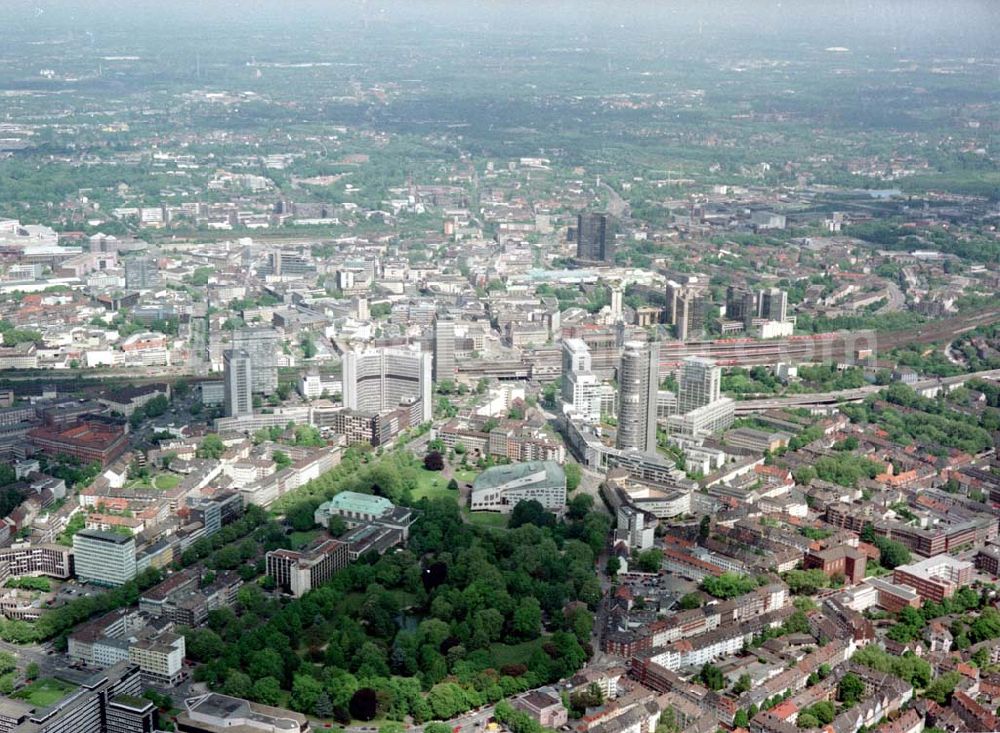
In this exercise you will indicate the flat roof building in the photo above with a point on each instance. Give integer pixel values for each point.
(298, 572)
(935, 578)
(215, 713)
(501, 488)
(104, 557)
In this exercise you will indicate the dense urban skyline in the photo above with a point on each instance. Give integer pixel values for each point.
(574, 366)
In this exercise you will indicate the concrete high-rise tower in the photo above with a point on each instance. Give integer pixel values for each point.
(617, 310)
(638, 379)
(262, 346)
(237, 382)
(699, 383)
(382, 379)
(445, 368)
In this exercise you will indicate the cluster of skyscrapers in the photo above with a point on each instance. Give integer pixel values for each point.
(695, 411)
(743, 304)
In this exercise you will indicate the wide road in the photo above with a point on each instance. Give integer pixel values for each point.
(747, 407)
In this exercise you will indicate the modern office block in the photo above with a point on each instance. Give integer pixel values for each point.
(298, 572)
(262, 346)
(382, 379)
(104, 558)
(638, 380)
(772, 304)
(595, 237)
(699, 383)
(130, 714)
(141, 273)
(238, 370)
(87, 709)
(445, 368)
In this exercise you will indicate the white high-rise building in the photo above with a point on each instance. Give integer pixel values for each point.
(638, 380)
(380, 379)
(699, 383)
(617, 310)
(585, 392)
(575, 356)
(444, 351)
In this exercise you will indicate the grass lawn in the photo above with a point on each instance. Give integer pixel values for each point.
(486, 519)
(433, 485)
(301, 539)
(465, 475)
(45, 692)
(166, 481)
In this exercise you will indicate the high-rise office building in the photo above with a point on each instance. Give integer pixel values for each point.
(141, 273)
(444, 351)
(670, 312)
(699, 383)
(575, 356)
(690, 315)
(595, 237)
(741, 305)
(638, 380)
(584, 392)
(237, 380)
(581, 389)
(617, 311)
(262, 346)
(289, 264)
(104, 558)
(382, 379)
(773, 304)
(686, 309)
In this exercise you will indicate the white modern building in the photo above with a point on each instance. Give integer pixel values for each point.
(699, 383)
(703, 421)
(380, 379)
(501, 488)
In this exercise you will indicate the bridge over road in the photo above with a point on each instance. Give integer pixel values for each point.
(821, 399)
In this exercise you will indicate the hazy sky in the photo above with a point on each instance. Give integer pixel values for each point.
(929, 24)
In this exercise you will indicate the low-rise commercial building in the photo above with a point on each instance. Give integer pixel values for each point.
(214, 713)
(501, 488)
(935, 578)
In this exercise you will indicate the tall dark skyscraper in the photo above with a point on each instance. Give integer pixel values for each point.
(595, 237)
(773, 304)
